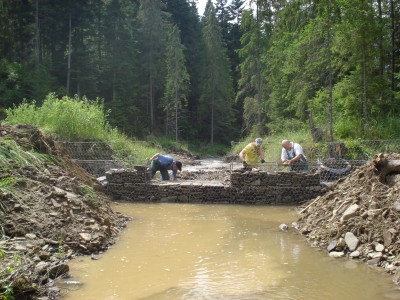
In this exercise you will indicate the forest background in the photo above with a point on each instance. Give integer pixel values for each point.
(329, 67)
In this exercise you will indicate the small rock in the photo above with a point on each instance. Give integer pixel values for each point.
(295, 225)
(375, 255)
(85, 236)
(387, 238)
(355, 254)
(351, 241)
(350, 212)
(30, 236)
(396, 205)
(379, 247)
(336, 254)
(41, 267)
(283, 227)
(331, 246)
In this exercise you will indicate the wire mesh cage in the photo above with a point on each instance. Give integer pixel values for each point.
(331, 160)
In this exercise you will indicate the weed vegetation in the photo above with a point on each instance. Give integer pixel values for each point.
(75, 119)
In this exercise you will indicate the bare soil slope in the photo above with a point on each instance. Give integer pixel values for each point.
(55, 212)
(360, 216)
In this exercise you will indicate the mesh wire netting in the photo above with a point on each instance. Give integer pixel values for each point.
(99, 157)
(331, 160)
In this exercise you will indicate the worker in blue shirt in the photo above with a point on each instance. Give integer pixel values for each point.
(163, 163)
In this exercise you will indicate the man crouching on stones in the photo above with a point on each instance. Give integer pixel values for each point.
(163, 163)
(252, 154)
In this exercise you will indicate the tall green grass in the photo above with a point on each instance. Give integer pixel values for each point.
(74, 119)
(12, 155)
(383, 128)
(130, 150)
(272, 143)
(68, 118)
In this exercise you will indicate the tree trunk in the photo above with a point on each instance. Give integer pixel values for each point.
(212, 118)
(69, 52)
(151, 94)
(381, 51)
(364, 85)
(393, 54)
(258, 73)
(37, 42)
(330, 74)
(176, 115)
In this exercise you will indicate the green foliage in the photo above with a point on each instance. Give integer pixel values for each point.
(210, 150)
(12, 155)
(90, 194)
(376, 129)
(216, 111)
(68, 118)
(131, 151)
(6, 187)
(10, 270)
(272, 143)
(177, 81)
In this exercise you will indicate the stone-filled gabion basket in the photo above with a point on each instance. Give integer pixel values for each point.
(245, 187)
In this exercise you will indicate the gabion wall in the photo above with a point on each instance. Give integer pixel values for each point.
(255, 187)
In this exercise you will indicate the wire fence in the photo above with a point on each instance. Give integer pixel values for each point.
(330, 160)
(99, 157)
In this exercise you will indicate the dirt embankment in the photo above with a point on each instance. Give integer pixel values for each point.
(53, 213)
(359, 217)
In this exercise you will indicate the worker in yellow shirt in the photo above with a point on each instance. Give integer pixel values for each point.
(252, 154)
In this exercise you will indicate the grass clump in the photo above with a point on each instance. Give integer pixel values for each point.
(11, 154)
(90, 194)
(14, 285)
(74, 119)
(68, 118)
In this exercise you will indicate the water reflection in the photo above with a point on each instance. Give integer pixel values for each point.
(182, 251)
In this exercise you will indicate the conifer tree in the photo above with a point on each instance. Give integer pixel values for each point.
(177, 80)
(217, 89)
(152, 20)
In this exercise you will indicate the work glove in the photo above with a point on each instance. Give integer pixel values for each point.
(262, 161)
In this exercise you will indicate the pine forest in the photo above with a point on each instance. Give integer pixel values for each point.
(239, 68)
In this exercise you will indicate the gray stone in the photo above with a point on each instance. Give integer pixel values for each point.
(379, 247)
(30, 236)
(20, 247)
(375, 255)
(283, 227)
(85, 236)
(331, 246)
(336, 254)
(55, 203)
(59, 192)
(374, 212)
(350, 212)
(41, 267)
(351, 241)
(387, 238)
(58, 270)
(396, 205)
(355, 254)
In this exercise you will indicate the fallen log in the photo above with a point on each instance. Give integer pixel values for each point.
(384, 166)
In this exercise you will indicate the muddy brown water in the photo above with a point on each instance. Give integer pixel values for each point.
(189, 251)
